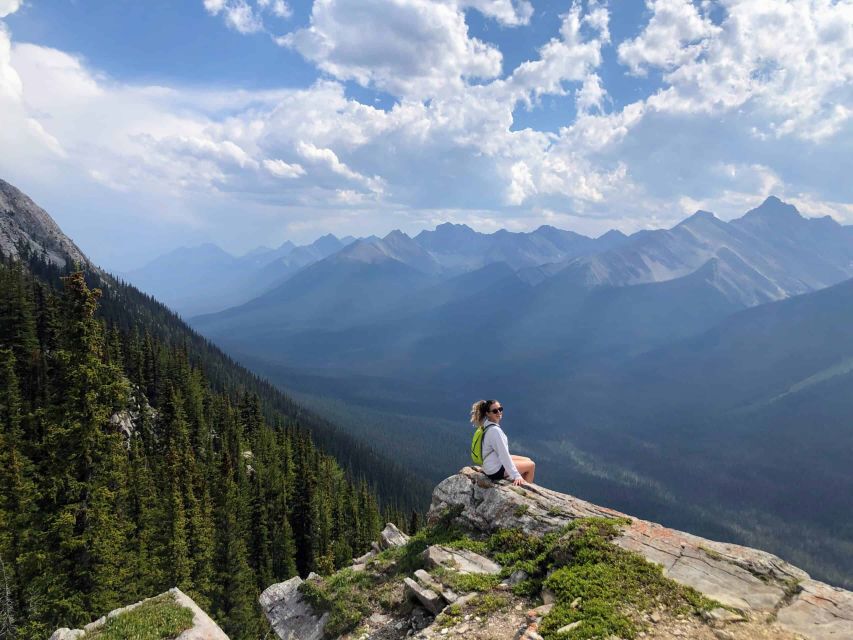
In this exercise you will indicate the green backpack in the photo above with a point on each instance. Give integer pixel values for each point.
(477, 445)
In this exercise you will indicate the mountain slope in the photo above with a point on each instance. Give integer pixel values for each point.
(791, 253)
(24, 223)
(129, 310)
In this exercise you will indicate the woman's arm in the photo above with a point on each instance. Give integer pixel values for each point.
(500, 446)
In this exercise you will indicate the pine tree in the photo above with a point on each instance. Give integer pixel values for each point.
(17, 490)
(82, 518)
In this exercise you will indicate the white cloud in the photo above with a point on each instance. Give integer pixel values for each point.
(330, 160)
(10, 82)
(742, 111)
(568, 58)
(591, 95)
(507, 12)
(8, 7)
(676, 34)
(278, 8)
(238, 14)
(282, 169)
(789, 64)
(411, 48)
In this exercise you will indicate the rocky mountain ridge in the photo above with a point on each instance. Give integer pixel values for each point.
(748, 594)
(24, 224)
(414, 587)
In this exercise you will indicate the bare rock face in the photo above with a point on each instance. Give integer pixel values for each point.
(23, 222)
(291, 616)
(461, 560)
(741, 577)
(204, 628)
(391, 536)
(431, 600)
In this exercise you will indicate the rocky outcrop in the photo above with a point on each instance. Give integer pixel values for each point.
(391, 536)
(755, 582)
(203, 627)
(291, 616)
(460, 560)
(24, 223)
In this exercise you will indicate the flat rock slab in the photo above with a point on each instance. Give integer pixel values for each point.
(391, 536)
(819, 611)
(460, 560)
(204, 628)
(431, 601)
(291, 616)
(737, 576)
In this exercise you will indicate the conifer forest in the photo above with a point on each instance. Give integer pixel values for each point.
(135, 457)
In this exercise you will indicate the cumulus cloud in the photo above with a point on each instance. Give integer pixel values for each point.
(507, 12)
(795, 86)
(411, 48)
(282, 169)
(8, 7)
(676, 33)
(447, 147)
(244, 17)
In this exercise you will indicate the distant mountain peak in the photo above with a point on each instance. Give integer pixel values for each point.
(613, 234)
(446, 226)
(23, 222)
(700, 217)
(396, 234)
(773, 208)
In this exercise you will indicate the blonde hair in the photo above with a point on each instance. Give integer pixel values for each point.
(479, 410)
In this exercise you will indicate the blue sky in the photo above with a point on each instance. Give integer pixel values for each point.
(143, 126)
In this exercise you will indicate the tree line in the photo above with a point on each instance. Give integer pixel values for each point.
(131, 461)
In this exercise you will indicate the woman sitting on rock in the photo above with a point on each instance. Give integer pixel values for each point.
(497, 461)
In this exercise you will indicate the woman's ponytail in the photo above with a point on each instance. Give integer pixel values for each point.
(479, 410)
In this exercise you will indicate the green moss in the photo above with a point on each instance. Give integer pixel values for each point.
(346, 595)
(390, 595)
(450, 616)
(580, 560)
(158, 619)
(555, 511)
(487, 603)
(469, 544)
(711, 553)
(521, 509)
(465, 582)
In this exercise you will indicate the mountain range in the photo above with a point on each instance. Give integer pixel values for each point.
(698, 375)
(681, 372)
(378, 305)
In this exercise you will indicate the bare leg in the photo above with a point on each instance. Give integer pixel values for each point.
(526, 467)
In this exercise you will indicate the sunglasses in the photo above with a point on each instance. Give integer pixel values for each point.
(498, 410)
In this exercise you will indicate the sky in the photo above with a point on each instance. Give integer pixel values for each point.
(146, 126)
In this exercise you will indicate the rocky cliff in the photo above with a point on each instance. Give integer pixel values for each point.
(24, 224)
(150, 618)
(499, 561)
(525, 563)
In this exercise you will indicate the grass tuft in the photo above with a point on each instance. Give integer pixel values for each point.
(160, 618)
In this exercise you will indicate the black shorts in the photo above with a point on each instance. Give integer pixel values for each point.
(500, 474)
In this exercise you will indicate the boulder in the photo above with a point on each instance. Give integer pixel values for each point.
(431, 601)
(290, 614)
(430, 583)
(204, 628)
(460, 560)
(737, 576)
(67, 634)
(391, 536)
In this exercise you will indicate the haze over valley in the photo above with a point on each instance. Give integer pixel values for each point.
(670, 371)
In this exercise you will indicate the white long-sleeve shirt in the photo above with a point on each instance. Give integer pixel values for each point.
(496, 451)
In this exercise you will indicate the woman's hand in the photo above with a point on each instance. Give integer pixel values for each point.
(519, 481)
